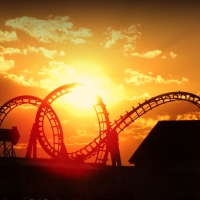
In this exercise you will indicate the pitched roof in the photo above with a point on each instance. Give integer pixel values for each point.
(170, 140)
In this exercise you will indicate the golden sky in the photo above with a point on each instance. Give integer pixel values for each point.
(128, 51)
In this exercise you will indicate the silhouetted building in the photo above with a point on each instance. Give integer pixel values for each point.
(167, 163)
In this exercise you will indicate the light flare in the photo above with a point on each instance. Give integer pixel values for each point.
(82, 98)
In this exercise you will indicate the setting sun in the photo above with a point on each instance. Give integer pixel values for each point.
(83, 96)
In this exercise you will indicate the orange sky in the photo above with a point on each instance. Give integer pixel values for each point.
(128, 51)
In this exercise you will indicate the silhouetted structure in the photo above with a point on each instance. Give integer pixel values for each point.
(8, 138)
(57, 149)
(105, 144)
(166, 166)
(167, 163)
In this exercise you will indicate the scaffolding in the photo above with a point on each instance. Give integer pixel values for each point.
(8, 138)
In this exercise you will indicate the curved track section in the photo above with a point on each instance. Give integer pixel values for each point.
(58, 149)
(17, 101)
(98, 145)
(125, 120)
(26, 99)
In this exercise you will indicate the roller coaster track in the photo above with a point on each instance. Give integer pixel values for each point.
(7, 107)
(15, 102)
(90, 150)
(125, 120)
(99, 146)
(130, 116)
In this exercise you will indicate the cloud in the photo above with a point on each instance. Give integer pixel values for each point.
(173, 55)
(127, 39)
(78, 41)
(123, 96)
(21, 145)
(5, 65)
(9, 50)
(26, 106)
(128, 36)
(85, 133)
(108, 89)
(62, 53)
(143, 96)
(128, 48)
(8, 36)
(141, 127)
(141, 79)
(58, 29)
(58, 73)
(114, 37)
(41, 50)
(20, 79)
(149, 54)
(190, 116)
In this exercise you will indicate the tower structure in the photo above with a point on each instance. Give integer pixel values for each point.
(8, 138)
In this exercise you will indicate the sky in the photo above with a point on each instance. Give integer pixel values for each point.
(127, 51)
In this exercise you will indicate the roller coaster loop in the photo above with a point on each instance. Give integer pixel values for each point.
(56, 151)
(102, 145)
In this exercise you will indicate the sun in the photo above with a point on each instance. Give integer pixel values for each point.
(82, 98)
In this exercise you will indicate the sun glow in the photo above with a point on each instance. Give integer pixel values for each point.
(83, 97)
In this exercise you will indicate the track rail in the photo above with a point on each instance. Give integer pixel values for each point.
(15, 102)
(99, 146)
(130, 116)
(94, 148)
(7, 107)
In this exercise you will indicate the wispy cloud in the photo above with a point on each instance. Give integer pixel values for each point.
(126, 41)
(143, 96)
(21, 145)
(127, 36)
(30, 49)
(189, 116)
(41, 50)
(6, 65)
(58, 73)
(171, 55)
(9, 50)
(21, 80)
(58, 29)
(138, 78)
(141, 127)
(8, 36)
(26, 106)
(149, 54)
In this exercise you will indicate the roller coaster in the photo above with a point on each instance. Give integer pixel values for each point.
(107, 140)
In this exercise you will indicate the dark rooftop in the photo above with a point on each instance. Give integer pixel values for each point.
(170, 140)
